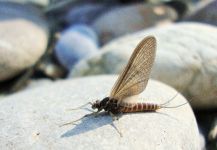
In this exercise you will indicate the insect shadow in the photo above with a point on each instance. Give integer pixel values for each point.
(89, 123)
(92, 122)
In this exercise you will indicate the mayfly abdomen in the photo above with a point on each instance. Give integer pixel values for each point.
(139, 107)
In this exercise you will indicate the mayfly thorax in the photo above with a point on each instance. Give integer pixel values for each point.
(132, 81)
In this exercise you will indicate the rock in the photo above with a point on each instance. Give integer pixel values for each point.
(35, 83)
(202, 142)
(205, 12)
(205, 120)
(76, 43)
(129, 19)
(85, 13)
(181, 7)
(49, 68)
(31, 119)
(213, 135)
(1, 96)
(23, 40)
(38, 2)
(185, 60)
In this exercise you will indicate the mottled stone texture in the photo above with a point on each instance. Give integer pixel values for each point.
(31, 119)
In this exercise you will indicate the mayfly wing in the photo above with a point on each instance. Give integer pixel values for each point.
(134, 77)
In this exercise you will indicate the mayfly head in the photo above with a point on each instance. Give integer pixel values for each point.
(96, 104)
(100, 104)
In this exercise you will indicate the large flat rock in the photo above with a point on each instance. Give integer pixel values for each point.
(31, 119)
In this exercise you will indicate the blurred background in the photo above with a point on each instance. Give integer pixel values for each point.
(46, 40)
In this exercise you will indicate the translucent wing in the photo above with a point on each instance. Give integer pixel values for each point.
(134, 77)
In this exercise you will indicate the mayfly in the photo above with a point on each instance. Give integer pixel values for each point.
(132, 81)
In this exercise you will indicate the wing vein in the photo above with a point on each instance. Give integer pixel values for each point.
(134, 77)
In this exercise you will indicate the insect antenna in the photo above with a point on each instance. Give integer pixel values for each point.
(80, 107)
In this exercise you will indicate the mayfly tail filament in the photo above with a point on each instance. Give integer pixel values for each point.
(164, 105)
(173, 106)
(167, 102)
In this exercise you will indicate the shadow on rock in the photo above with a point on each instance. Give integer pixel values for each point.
(88, 124)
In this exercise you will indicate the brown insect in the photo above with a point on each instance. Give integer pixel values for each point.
(132, 81)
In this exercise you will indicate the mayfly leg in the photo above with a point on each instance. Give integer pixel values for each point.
(114, 118)
(74, 121)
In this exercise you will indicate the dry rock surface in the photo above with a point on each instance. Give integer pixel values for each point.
(31, 119)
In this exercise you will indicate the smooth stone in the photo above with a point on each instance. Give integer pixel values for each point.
(35, 83)
(213, 135)
(85, 13)
(24, 37)
(185, 60)
(205, 12)
(2, 96)
(128, 19)
(75, 43)
(37, 2)
(50, 68)
(31, 119)
(181, 7)
(202, 142)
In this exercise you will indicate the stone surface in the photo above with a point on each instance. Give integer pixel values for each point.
(204, 12)
(50, 69)
(35, 83)
(75, 43)
(128, 19)
(85, 13)
(1, 96)
(185, 59)
(38, 2)
(31, 119)
(213, 135)
(23, 38)
(202, 142)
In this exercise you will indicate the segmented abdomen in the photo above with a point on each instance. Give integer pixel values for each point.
(139, 107)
